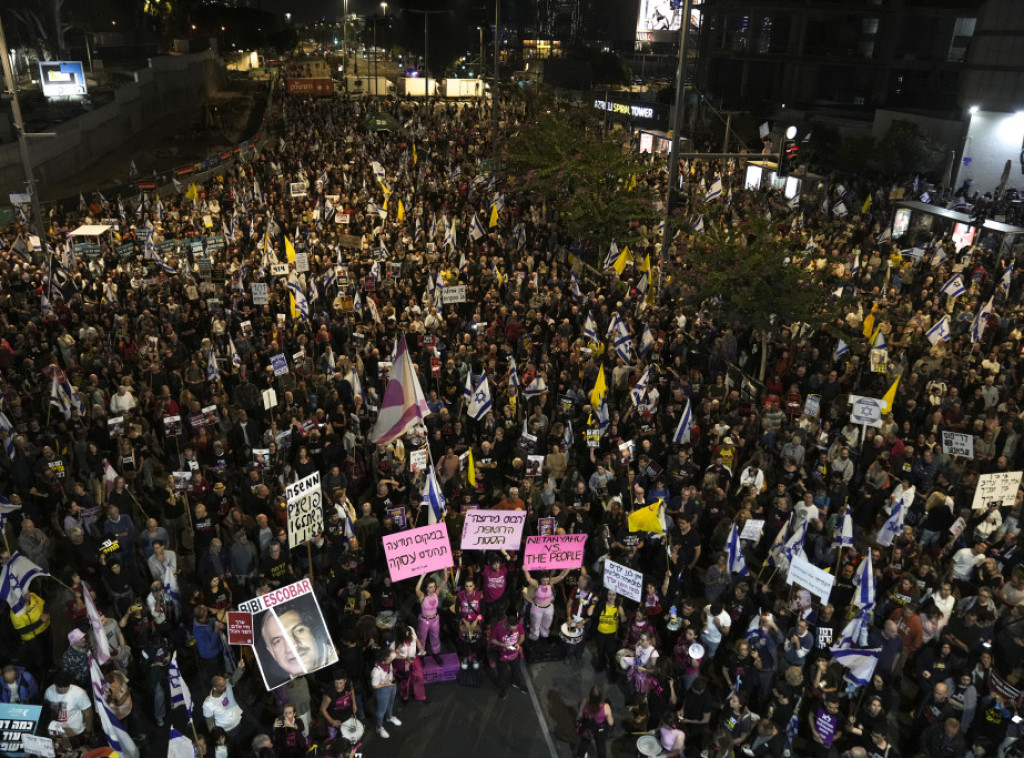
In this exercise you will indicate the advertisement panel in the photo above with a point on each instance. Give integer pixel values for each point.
(320, 87)
(62, 78)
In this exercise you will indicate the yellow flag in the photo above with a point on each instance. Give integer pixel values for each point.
(867, 204)
(494, 216)
(471, 470)
(869, 325)
(620, 263)
(385, 206)
(383, 186)
(289, 253)
(600, 388)
(646, 519)
(890, 396)
(414, 158)
(401, 211)
(291, 301)
(645, 264)
(193, 193)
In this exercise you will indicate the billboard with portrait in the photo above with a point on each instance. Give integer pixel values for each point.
(290, 637)
(660, 20)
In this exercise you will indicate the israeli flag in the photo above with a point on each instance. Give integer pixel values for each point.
(613, 254)
(179, 688)
(981, 321)
(646, 341)
(715, 190)
(476, 229)
(590, 330)
(574, 285)
(180, 746)
(568, 438)
(15, 578)
(885, 236)
(894, 524)
(467, 389)
(925, 197)
(640, 388)
(45, 307)
(236, 359)
(535, 388)
(737, 563)
(844, 534)
(865, 584)
(7, 433)
(954, 287)
(879, 343)
(841, 349)
(212, 370)
(682, 433)
(840, 209)
(699, 226)
(940, 332)
(480, 402)
(860, 662)
(513, 375)
(939, 257)
(432, 498)
(1007, 279)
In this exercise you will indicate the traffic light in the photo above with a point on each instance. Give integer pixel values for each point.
(787, 160)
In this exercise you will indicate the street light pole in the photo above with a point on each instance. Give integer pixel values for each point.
(426, 44)
(26, 158)
(494, 88)
(678, 119)
(344, 34)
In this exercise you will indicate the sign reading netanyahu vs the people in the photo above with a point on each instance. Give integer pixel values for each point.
(555, 551)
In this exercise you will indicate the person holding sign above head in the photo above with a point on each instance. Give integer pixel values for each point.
(429, 621)
(542, 602)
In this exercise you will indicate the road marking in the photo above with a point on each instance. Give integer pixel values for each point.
(545, 729)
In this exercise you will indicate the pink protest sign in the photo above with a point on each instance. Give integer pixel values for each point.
(414, 552)
(493, 530)
(554, 551)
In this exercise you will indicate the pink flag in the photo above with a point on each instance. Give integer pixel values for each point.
(99, 637)
(403, 404)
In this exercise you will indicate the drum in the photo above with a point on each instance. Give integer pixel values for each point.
(352, 730)
(571, 636)
(625, 658)
(648, 745)
(387, 620)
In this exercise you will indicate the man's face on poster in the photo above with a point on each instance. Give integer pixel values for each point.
(303, 655)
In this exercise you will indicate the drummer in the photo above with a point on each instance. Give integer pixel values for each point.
(469, 607)
(339, 705)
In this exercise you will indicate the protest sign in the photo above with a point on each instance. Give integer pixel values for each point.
(1000, 487)
(624, 580)
(240, 628)
(297, 189)
(302, 262)
(958, 443)
(958, 527)
(810, 577)
(34, 744)
(418, 460)
(290, 637)
(417, 551)
(17, 720)
(398, 516)
(259, 293)
(752, 529)
(556, 551)
(305, 509)
(456, 294)
(546, 526)
(280, 364)
(493, 530)
(866, 411)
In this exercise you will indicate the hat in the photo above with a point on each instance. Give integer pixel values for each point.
(75, 635)
(219, 487)
(696, 651)
(728, 441)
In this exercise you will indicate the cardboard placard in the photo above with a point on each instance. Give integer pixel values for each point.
(240, 630)
(813, 579)
(18, 721)
(304, 499)
(493, 530)
(418, 460)
(418, 551)
(398, 516)
(752, 529)
(958, 443)
(1000, 487)
(866, 411)
(555, 551)
(280, 364)
(260, 296)
(290, 637)
(456, 294)
(623, 580)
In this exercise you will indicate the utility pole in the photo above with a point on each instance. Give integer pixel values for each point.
(426, 40)
(26, 158)
(494, 88)
(678, 119)
(344, 34)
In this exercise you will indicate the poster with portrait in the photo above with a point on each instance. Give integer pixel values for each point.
(290, 637)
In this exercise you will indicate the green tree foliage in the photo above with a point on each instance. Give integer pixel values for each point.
(590, 177)
(744, 272)
(906, 150)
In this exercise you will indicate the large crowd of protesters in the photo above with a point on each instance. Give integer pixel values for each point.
(108, 390)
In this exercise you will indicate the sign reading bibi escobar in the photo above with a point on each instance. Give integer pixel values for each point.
(415, 552)
(305, 509)
(290, 637)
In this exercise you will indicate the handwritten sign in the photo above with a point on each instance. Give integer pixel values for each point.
(958, 443)
(240, 628)
(555, 551)
(418, 460)
(810, 577)
(493, 530)
(624, 580)
(456, 294)
(1000, 487)
(259, 293)
(38, 745)
(752, 529)
(305, 509)
(417, 551)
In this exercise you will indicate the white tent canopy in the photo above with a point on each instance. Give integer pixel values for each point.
(91, 230)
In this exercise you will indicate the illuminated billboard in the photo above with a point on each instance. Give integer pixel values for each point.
(660, 20)
(62, 78)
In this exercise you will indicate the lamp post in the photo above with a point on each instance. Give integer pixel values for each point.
(480, 66)
(344, 35)
(426, 42)
(494, 88)
(678, 119)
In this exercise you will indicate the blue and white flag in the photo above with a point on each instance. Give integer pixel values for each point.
(646, 340)
(476, 229)
(844, 534)
(432, 498)
(715, 191)
(841, 349)
(940, 332)
(57, 398)
(954, 287)
(1007, 279)
(981, 321)
(613, 254)
(71, 395)
(682, 433)
(699, 226)
(737, 563)
(860, 662)
(590, 330)
(236, 359)
(6, 509)
(885, 236)
(180, 746)
(855, 633)
(45, 307)
(7, 433)
(864, 581)
(568, 438)
(180, 694)
(794, 545)
(513, 375)
(879, 343)
(621, 341)
(925, 197)
(574, 286)
(840, 209)
(894, 524)
(212, 369)
(467, 388)
(640, 388)
(535, 388)
(117, 737)
(18, 573)
(939, 257)
(480, 401)
(301, 305)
